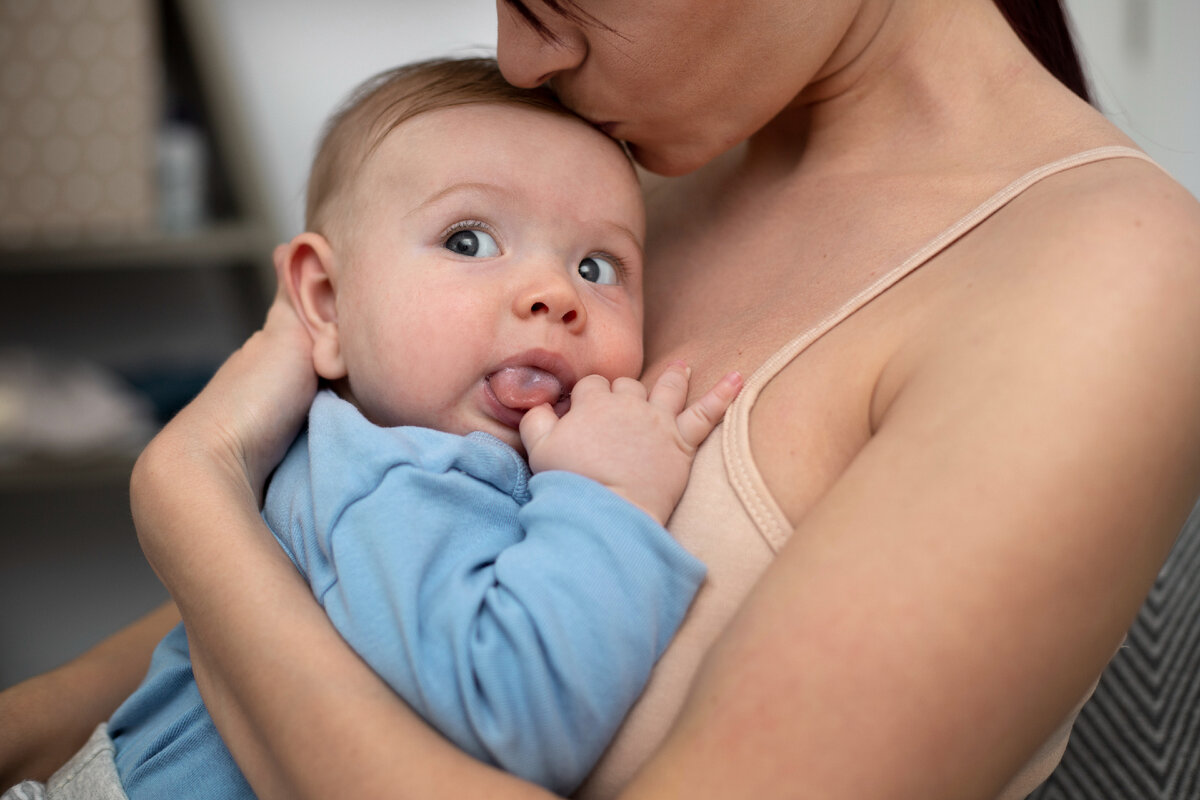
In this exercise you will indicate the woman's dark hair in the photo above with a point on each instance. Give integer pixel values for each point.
(1042, 25)
(1044, 28)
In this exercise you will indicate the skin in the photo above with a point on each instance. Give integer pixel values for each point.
(985, 467)
(413, 331)
(539, 194)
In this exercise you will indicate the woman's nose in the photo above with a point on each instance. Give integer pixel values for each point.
(531, 50)
(551, 296)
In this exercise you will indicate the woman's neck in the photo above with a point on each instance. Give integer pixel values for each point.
(910, 74)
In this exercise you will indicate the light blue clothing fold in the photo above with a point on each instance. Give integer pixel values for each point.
(519, 615)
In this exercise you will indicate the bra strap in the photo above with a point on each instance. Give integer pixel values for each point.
(743, 474)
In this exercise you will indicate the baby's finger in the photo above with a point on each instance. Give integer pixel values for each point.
(698, 419)
(670, 390)
(630, 386)
(590, 383)
(536, 425)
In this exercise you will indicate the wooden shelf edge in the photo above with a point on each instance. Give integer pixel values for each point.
(218, 244)
(107, 469)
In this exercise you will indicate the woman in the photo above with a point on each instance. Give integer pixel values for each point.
(967, 444)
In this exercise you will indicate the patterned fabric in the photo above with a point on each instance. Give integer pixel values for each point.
(80, 104)
(1138, 738)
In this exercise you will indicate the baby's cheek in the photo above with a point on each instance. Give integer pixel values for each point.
(622, 354)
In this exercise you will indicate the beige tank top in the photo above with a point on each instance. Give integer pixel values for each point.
(729, 519)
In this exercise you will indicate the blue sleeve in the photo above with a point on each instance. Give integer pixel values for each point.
(523, 632)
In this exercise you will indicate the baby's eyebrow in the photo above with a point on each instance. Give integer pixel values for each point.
(465, 187)
(625, 231)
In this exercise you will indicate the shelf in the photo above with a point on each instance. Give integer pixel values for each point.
(215, 245)
(100, 469)
(143, 300)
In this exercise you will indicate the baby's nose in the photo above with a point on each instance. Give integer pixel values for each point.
(552, 296)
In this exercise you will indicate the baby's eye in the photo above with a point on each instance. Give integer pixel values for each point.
(598, 270)
(472, 243)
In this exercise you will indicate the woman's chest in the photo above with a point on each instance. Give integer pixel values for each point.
(793, 302)
(807, 417)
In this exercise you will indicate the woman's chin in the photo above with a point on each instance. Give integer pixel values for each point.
(673, 161)
(668, 162)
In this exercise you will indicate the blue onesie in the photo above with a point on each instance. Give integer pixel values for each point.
(520, 615)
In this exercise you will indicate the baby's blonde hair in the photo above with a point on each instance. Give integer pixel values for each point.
(382, 103)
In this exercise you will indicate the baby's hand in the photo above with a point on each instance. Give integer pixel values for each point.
(639, 445)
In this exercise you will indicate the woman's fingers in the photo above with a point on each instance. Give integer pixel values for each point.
(279, 256)
(697, 420)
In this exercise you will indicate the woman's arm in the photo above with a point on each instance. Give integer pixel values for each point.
(303, 716)
(934, 617)
(301, 713)
(952, 597)
(48, 717)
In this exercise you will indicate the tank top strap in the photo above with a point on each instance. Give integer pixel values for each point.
(742, 471)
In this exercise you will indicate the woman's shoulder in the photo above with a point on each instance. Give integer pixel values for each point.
(1121, 224)
(1090, 277)
(1104, 216)
(1093, 198)
(1121, 201)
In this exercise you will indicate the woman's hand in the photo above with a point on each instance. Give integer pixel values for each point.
(197, 488)
(246, 417)
(255, 404)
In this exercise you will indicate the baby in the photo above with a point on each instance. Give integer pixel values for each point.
(471, 279)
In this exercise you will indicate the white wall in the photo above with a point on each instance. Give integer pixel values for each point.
(1143, 59)
(297, 60)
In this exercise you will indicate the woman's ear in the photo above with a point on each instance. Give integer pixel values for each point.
(308, 273)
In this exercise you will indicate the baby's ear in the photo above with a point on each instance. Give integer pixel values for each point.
(308, 275)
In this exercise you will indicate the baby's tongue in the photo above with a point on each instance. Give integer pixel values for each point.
(525, 387)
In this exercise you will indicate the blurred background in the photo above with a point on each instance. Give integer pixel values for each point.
(151, 154)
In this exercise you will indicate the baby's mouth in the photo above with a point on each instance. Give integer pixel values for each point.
(525, 387)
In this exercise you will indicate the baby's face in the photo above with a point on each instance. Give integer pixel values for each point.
(493, 257)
